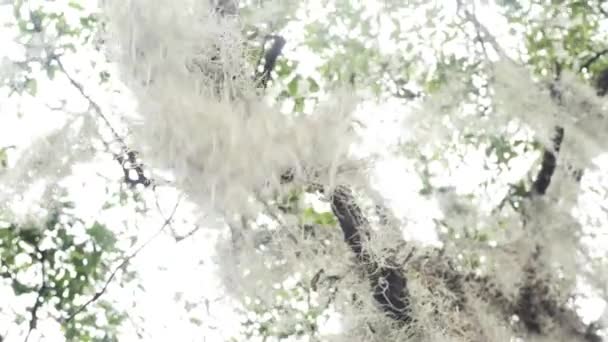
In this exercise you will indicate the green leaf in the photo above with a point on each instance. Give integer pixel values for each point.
(88, 22)
(3, 158)
(292, 86)
(30, 235)
(104, 76)
(70, 47)
(51, 70)
(326, 218)
(36, 19)
(195, 321)
(75, 5)
(482, 237)
(20, 288)
(31, 86)
(20, 319)
(107, 205)
(298, 105)
(309, 215)
(61, 25)
(22, 24)
(102, 236)
(313, 86)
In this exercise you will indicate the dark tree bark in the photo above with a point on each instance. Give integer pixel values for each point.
(270, 57)
(548, 164)
(389, 285)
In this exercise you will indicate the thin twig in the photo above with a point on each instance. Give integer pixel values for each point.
(41, 290)
(179, 238)
(160, 210)
(269, 210)
(479, 36)
(174, 234)
(128, 157)
(93, 104)
(483, 29)
(122, 265)
(593, 59)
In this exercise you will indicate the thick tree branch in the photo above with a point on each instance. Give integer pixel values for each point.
(270, 57)
(388, 283)
(548, 164)
(535, 303)
(601, 83)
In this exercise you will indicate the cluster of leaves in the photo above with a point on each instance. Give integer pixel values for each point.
(47, 33)
(292, 315)
(562, 34)
(62, 262)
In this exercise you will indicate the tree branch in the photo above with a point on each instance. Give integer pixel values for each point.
(39, 298)
(593, 59)
(548, 164)
(483, 30)
(122, 265)
(270, 57)
(388, 283)
(601, 83)
(534, 303)
(128, 159)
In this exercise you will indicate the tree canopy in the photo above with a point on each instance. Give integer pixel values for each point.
(325, 170)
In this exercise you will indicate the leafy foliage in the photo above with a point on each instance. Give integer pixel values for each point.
(61, 263)
(504, 249)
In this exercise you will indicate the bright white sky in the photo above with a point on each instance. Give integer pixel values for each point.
(171, 272)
